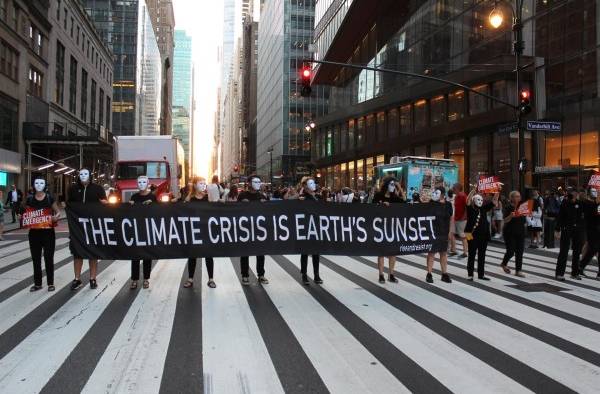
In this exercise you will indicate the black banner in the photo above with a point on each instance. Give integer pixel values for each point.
(163, 231)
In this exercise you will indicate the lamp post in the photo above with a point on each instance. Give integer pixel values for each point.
(496, 19)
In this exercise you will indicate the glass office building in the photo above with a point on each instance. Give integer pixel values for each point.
(375, 115)
(285, 33)
(182, 71)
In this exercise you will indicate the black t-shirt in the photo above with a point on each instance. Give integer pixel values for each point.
(37, 204)
(309, 197)
(380, 197)
(592, 216)
(138, 198)
(91, 193)
(477, 221)
(516, 224)
(193, 198)
(246, 195)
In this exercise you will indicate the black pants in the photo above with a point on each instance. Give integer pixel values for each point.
(210, 267)
(14, 210)
(304, 264)
(549, 228)
(569, 239)
(515, 245)
(42, 240)
(245, 265)
(479, 247)
(593, 249)
(135, 269)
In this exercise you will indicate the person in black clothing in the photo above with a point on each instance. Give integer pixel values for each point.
(253, 194)
(571, 226)
(513, 234)
(143, 196)
(85, 192)
(438, 197)
(14, 200)
(308, 193)
(198, 194)
(592, 220)
(42, 236)
(477, 231)
(551, 208)
(390, 192)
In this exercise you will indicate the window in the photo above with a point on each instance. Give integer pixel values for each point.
(36, 82)
(351, 135)
(3, 9)
(420, 115)
(59, 93)
(84, 93)
(101, 108)
(477, 103)
(344, 138)
(9, 61)
(360, 138)
(437, 150)
(456, 105)
(456, 149)
(58, 10)
(478, 157)
(438, 110)
(336, 139)
(93, 104)
(65, 19)
(370, 134)
(78, 34)
(393, 125)
(72, 25)
(405, 120)
(381, 126)
(73, 86)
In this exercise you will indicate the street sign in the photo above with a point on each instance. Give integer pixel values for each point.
(536, 125)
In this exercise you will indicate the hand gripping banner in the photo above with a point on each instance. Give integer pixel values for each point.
(182, 230)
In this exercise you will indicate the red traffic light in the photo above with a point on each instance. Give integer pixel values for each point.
(525, 94)
(306, 73)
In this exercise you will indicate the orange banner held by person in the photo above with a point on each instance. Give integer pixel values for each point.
(525, 209)
(37, 218)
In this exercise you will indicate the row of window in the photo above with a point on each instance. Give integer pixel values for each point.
(9, 61)
(16, 19)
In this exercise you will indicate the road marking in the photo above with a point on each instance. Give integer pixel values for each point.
(24, 253)
(24, 271)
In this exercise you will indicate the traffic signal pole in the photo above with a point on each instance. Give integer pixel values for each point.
(518, 47)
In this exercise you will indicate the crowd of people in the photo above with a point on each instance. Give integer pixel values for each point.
(568, 215)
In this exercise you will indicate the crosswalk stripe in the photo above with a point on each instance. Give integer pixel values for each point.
(430, 350)
(134, 359)
(18, 255)
(7, 242)
(554, 369)
(341, 361)
(10, 249)
(235, 357)
(27, 260)
(34, 361)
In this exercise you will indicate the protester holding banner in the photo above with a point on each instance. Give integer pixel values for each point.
(199, 194)
(254, 193)
(390, 192)
(571, 225)
(514, 232)
(40, 216)
(592, 221)
(85, 192)
(308, 193)
(143, 196)
(477, 231)
(438, 197)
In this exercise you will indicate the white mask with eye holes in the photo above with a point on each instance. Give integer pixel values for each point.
(256, 184)
(311, 185)
(347, 198)
(478, 200)
(39, 185)
(200, 186)
(391, 187)
(594, 193)
(84, 175)
(436, 195)
(142, 182)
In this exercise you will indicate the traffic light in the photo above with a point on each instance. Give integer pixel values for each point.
(525, 103)
(305, 75)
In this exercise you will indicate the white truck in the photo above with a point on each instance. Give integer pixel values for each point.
(160, 158)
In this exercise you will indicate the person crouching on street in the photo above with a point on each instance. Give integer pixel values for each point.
(477, 231)
(308, 193)
(143, 196)
(438, 197)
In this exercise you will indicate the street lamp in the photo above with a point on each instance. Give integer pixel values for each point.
(496, 19)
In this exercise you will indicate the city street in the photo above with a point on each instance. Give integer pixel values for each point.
(350, 335)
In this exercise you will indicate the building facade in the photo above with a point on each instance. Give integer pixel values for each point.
(127, 28)
(182, 70)
(375, 115)
(249, 75)
(283, 144)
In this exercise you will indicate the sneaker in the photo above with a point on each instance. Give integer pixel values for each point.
(498, 236)
(470, 278)
(559, 278)
(446, 278)
(429, 278)
(452, 253)
(484, 278)
(305, 279)
(318, 280)
(35, 288)
(211, 283)
(51, 288)
(505, 269)
(262, 280)
(245, 281)
(576, 277)
(462, 256)
(392, 279)
(93, 284)
(76, 284)
(381, 279)
(519, 274)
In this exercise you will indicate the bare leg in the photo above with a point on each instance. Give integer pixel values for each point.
(93, 268)
(452, 243)
(380, 264)
(77, 266)
(443, 262)
(391, 263)
(429, 262)
(465, 246)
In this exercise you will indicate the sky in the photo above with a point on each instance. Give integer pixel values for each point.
(203, 20)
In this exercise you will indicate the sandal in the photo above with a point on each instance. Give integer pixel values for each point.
(134, 284)
(34, 288)
(211, 283)
(188, 283)
(146, 284)
(51, 288)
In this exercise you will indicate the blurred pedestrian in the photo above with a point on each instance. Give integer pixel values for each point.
(514, 234)
(438, 197)
(551, 209)
(592, 221)
(14, 201)
(460, 218)
(1, 215)
(571, 225)
(477, 231)
(534, 221)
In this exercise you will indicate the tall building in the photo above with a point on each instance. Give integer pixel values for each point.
(182, 71)
(163, 19)
(374, 116)
(126, 27)
(181, 124)
(283, 144)
(249, 75)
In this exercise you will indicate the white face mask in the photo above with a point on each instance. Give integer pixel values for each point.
(200, 186)
(39, 185)
(436, 195)
(391, 187)
(478, 200)
(346, 198)
(84, 176)
(311, 185)
(594, 193)
(256, 184)
(142, 183)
